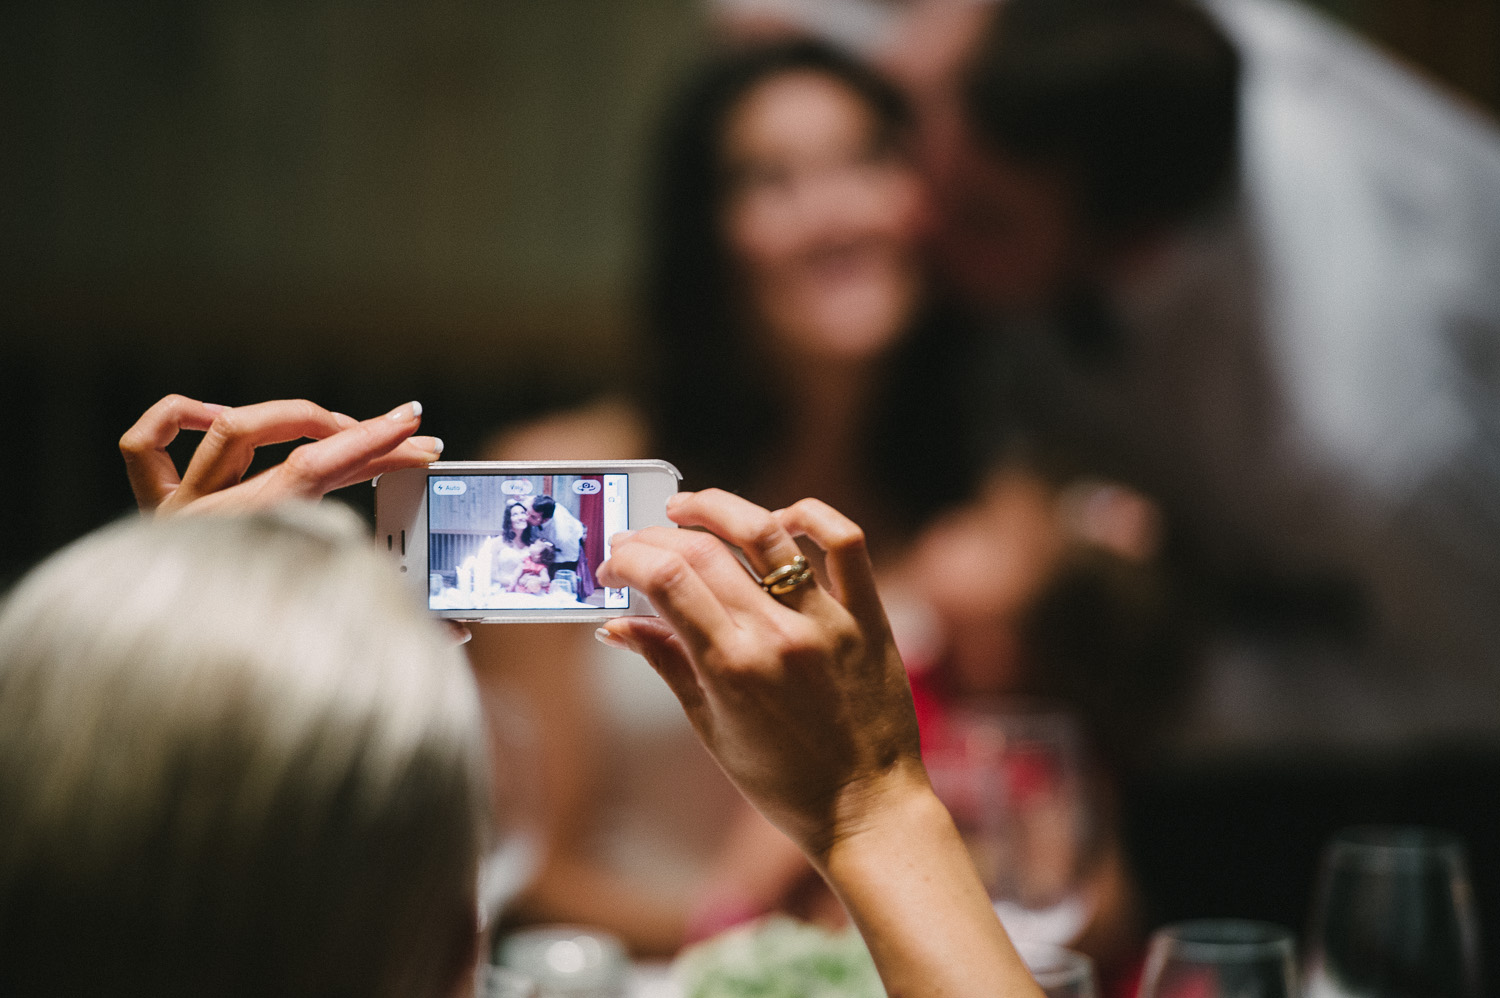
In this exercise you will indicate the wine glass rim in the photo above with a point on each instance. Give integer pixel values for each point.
(1212, 939)
(1403, 839)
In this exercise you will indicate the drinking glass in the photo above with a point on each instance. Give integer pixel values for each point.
(1014, 781)
(1060, 973)
(567, 961)
(1220, 958)
(1393, 917)
(502, 982)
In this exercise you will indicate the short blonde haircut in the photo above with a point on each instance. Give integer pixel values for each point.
(235, 759)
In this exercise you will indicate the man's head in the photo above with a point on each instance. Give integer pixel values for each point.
(1093, 126)
(541, 510)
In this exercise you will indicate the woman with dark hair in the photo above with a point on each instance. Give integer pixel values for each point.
(796, 341)
(517, 526)
(500, 556)
(793, 340)
(796, 348)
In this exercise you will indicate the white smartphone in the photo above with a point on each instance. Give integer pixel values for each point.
(514, 542)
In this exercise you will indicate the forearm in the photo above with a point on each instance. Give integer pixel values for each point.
(907, 881)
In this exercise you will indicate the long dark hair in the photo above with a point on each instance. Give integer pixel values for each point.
(509, 533)
(711, 391)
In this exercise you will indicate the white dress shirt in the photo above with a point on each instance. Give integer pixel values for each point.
(1311, 385)
(565, 532)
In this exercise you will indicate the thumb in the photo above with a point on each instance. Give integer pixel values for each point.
(654, 641)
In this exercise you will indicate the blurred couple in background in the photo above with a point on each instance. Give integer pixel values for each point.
(1245, 262)
(1149, 298)
(805, 345)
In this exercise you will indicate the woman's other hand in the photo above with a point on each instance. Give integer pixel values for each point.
(344, 451)
(802, 699)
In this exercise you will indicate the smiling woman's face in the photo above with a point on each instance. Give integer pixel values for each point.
(823, 219)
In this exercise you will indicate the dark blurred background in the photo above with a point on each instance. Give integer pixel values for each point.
(359, 204)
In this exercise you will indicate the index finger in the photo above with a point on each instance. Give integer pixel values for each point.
(356, 454)
(674, 587)
(153, 476)
(765, 542)
(224, 456)
(739, 521)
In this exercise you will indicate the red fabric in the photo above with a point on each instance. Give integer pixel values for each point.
(930, 710)
(529, 567)
(591, 552)
(1125, 980)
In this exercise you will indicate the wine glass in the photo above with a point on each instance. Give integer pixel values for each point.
(567, 961)
(1015, 783)
(1393, 917)
(1220, 958)
(503, 982)
(1059, 972)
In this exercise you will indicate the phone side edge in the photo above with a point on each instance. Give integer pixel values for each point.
(401, 525)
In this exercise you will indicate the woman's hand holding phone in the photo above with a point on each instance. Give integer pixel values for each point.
(804, 702)
(344, 451)
(757, 674)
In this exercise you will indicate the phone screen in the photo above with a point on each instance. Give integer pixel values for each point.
(523, 542)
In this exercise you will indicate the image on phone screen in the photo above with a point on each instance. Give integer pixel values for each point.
(523, 542)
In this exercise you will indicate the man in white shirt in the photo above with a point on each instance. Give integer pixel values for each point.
(1249, 264)
(554, 523)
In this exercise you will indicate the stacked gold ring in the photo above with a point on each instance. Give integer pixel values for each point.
(788, 578)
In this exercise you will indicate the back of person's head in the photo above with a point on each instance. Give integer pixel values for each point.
(1135, 101)
(235, 759)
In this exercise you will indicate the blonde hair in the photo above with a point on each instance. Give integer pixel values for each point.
(234, 759)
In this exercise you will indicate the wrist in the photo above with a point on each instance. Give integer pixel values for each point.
(876, 812)
(907, 881)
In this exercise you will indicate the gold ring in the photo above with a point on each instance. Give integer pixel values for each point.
(788, 578)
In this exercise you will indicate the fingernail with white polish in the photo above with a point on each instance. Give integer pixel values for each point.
(411, 410)
(437, 445)
(607, 637)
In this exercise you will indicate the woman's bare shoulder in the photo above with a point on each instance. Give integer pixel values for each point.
(610, 429)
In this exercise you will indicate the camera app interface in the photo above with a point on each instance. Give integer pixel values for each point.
(522, 542)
